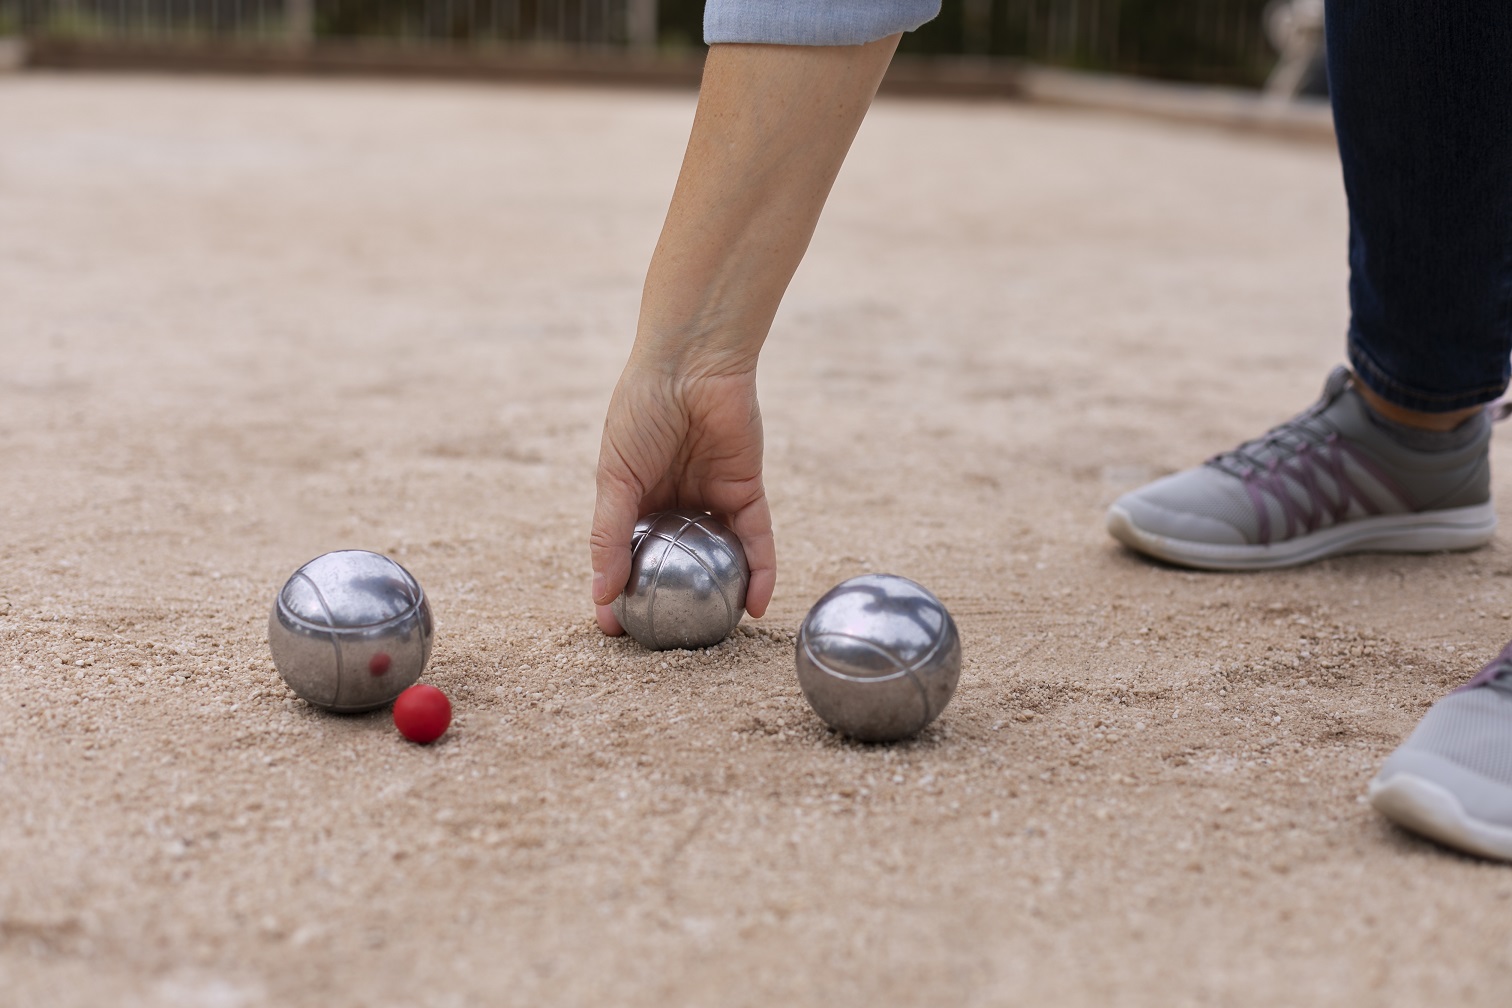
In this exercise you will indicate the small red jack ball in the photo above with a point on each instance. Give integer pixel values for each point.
(422, 713)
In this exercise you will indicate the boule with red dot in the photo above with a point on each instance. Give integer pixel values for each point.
(350, 631)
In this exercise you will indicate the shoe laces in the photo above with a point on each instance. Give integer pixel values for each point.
(1276, 446)
(1306, 430)
(1292, 456)
(1497, 673)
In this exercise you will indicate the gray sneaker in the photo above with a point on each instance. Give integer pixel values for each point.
(1329, 481)
(1452, 779)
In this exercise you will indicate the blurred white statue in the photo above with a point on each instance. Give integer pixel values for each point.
(1295, 29)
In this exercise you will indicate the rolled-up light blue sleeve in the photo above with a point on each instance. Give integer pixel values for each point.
(813, 22)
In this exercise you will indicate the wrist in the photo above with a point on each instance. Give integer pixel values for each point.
(696, 350)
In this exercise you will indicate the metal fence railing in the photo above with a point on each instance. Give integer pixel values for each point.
(576, 23)
(1214, 40)
(1207, 40)
(124, 19)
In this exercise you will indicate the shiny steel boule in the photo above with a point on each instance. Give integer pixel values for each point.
(878, 657)
(350, 631)
(687, 585)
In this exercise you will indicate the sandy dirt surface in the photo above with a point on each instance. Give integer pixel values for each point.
(246, 322)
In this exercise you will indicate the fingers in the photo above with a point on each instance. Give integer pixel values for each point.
(614, 514)
(607, 621)
(753, 524)
(759, 592)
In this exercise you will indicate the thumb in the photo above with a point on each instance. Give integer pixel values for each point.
(614, 515)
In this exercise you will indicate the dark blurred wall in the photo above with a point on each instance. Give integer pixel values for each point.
(1220, 41)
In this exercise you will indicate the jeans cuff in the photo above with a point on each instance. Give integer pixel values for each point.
(1413, 398)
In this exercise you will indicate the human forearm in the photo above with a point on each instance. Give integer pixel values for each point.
(683, 428)
(773, 126)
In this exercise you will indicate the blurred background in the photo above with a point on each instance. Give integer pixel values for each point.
(1274, 45)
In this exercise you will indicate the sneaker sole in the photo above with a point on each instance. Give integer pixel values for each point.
(1420, 805)
(1425, 532)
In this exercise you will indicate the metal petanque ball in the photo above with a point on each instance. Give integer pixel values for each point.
(350, 631)
(687, 585)
(878, 657)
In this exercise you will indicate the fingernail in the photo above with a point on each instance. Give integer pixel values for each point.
(599, 584)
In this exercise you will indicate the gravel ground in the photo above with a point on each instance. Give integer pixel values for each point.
(246, 322)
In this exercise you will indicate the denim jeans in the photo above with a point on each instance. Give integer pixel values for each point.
(1422, 96)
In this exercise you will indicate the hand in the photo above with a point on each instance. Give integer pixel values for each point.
(680, 441)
